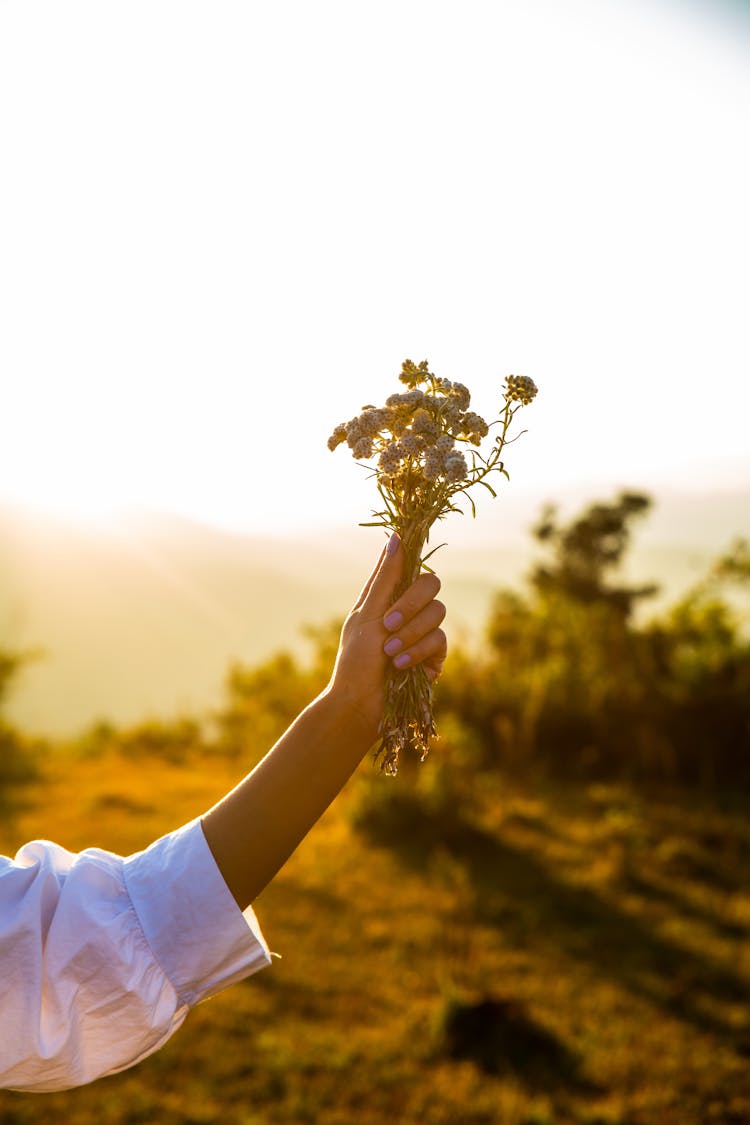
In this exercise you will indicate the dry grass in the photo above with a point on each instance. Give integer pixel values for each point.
(532, 955)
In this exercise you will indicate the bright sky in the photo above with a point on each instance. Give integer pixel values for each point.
(223, 226)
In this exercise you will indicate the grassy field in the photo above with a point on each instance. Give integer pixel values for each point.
(522, 954)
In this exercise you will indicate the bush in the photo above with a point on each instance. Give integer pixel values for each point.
(17, 752)
(261, 702)
(569, 682)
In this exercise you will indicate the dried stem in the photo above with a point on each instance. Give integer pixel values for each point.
(408, 723)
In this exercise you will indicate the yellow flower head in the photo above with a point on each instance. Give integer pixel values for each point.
(413, 374)
(519, 388)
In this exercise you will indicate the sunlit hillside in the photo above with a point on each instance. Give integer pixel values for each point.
(545, 923)
(141, 616)
(539, 956)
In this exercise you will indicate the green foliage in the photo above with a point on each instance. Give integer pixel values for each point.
(16, 750)
(170, 740)
(10, 663)
(734, 566)
(568, 681)
(587, 550)
(700, 692)
(261, 702)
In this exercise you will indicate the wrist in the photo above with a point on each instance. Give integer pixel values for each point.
(361, 714)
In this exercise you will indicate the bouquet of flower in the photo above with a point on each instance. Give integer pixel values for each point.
(426, 441)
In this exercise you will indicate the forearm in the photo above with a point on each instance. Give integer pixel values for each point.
(256, 827)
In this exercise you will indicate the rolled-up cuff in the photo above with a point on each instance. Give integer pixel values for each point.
(195, 929)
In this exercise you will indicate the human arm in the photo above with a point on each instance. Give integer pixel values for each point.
(256, 827)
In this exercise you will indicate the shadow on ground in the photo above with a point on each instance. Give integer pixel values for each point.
(513, 888)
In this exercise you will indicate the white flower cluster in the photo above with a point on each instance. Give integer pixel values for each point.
(417, 429)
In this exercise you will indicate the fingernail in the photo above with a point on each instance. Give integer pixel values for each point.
(393, 620)
(392, 647)
(403, 660)
(393, 544)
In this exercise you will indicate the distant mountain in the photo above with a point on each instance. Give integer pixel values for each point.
(142, 616)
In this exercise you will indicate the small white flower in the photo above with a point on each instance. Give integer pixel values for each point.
(372, 421)
(433, 465)
(456, 468)
(338, 435)
(462, 395)
(363, 449)
(453, 416)
(424, 423)
(390, 459)
(474, 427)
(412, 444)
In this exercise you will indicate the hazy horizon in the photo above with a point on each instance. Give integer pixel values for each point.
(142, 617)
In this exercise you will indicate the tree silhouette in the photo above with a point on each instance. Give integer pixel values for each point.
(586, 550)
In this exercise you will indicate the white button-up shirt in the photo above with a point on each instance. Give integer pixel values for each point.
(102, 957)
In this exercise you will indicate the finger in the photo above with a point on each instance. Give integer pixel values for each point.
(412, 631)
(433, 673)
(430, 650)
(368, 584)
(420, 593)
(378, 593)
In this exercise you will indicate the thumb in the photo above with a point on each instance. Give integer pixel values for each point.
(380, 588)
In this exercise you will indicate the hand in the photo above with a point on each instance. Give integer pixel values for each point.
(405, 630)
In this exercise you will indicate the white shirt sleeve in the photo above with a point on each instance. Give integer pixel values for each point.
(102, 957)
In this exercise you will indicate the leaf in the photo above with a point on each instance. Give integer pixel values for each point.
(432, 552)
(488, 487)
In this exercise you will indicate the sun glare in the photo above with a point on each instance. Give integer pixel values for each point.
(185, 317)
(60, 500)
